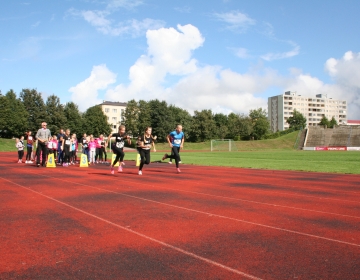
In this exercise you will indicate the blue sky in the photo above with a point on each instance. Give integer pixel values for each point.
(224, 55)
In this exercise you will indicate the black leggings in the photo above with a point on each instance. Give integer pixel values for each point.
(119, 155)
(21, 154)
(67, 154)
(145, 158)
(28, 153)
(175, 155)
(103, 151)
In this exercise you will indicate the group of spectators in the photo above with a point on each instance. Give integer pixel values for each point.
(63, 146)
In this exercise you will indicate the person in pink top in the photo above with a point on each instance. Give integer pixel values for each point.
(92, 149)
(98, 149)
(54, 142)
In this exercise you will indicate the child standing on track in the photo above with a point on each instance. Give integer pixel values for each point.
(66, 148)
(176, 141)
(29, 146)
(92, 150)
(20, 147)
(145, 143)
(118, 147)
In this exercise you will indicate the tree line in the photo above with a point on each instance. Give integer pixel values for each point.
(201, 126)
(26, 113)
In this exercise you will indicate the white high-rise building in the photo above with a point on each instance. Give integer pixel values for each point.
(114, 112)
(281, 107)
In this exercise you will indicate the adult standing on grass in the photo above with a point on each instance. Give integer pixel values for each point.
(42, 137)
(176, 142)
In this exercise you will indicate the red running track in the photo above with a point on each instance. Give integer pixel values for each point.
(205, 223)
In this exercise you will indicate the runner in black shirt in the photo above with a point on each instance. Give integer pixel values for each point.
(118, 147)
(144, 145)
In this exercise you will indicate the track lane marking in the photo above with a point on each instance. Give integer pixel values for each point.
(215, 215)
(249, 276)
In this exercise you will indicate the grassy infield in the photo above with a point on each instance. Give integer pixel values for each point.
(276, 154)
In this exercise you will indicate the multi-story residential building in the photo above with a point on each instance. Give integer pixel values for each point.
(281, 107)
(114, 112)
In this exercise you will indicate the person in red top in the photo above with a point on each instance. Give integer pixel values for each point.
(29, 146)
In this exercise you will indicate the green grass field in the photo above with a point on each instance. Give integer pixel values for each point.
(277, 154)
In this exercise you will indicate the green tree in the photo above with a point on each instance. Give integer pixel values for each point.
(144, 118)
(161, 119)
(35, 106)
(260, 123)
(204, 126)
(74, 119)
(181, 116)
(95, 121)
(131, 116)
(324, 121)
(4, 114)
(333, 122)
(15, 124)
(297, 120)
(55, 114)
(245, 127)
(221, 121)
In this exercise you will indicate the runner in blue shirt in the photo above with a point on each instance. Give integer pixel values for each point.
(176, 142)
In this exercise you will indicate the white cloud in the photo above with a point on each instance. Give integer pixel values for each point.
(102, 21)
(36, 24)
(85, 94)
(197, 87)
(274, 56)
(241, 52)
(235, 20)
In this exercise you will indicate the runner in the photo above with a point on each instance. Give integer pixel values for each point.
(176, 142)
(145, 143)
(118, 147)
(66, 144)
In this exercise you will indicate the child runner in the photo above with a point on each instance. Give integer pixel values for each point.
(103, 149)
(145, 143)
(60, 151)
(29, 146)
(118, 147)
(85, 147)
(176, 141)
(92, 149)
(20, 147)
(66, 147)
(54, 146)
(73, 149)
(49, 147)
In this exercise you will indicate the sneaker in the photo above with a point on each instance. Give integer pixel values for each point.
(140, 172)
(30, 161)
(180, 161)
(120, 169)
(112, 169)
(170, 162)
(38, 165)
(26, 161)
(178, 170)
(165, 157)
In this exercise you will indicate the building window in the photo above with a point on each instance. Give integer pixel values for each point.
(114, 119)
(107, 110)
(114, 110)
(114, 126)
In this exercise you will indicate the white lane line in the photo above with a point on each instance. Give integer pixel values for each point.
(249, 276)
(214, 215)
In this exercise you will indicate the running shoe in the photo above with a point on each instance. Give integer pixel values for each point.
(120, 168)
(180, 161)
(38, 165)
(140, 172)
(170, 162)
(31, 161)
(178, 170)
(165, 157)
(112, 169)
(26, 161)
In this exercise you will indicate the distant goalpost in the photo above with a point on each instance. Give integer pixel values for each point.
(222, 145)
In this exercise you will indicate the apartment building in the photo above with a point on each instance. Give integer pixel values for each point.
(281, 107)
(114, 112)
